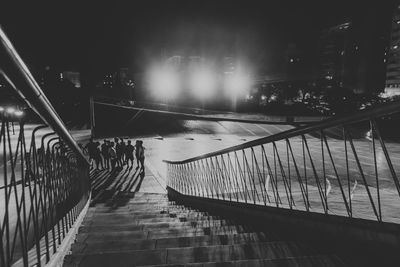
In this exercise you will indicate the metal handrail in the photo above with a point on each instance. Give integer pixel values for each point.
(44, 184)
(304, 169)
(362, 115)
(20, 78)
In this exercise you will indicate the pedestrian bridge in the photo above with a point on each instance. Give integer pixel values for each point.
(296, 198)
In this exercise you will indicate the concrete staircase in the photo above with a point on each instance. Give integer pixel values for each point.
(150, 230)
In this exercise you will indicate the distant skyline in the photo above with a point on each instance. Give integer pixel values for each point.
(98, 37)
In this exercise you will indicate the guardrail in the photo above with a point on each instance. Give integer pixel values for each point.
(44, 180)
(355, 175)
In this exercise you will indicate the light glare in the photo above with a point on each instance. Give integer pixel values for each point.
(164, 82)
(203, 83)
(10, 110)
(19, 113)
(237, 83)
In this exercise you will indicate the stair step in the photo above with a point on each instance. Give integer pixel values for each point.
(160, 233)
(149, 218)
(305, 261)
(140, 225)
(147, 229)
(225, 253)
(188, 231)
(136, 258)
(207, 240)
(196, 241)
(153, 210)
(113, 246)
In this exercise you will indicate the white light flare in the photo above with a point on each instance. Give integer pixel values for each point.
(237, 83)
(19, 113)
(10, 110)
(203, 83)
(164, 82)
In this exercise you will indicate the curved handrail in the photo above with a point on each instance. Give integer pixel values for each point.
(44, 190)
(23, 82)
(313, 173)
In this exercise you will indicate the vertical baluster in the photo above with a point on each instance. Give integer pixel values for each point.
(273, 180)
(260, 177)
(305, 169)
(320, 191)
(6, 226)
(234, 174)
(347, 171)
(288, 190)
(288, 171)
(323, 168)
(362, 174)
(300, 181)
(337, 177)
(387, 157)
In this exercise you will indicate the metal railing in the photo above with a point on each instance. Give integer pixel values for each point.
(44, 180)
(346, 166)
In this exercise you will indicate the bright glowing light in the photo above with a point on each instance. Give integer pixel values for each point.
(10, 110)
(237, 83)
(19, 113)
(1, 109)
(164, 82)
(203, 83)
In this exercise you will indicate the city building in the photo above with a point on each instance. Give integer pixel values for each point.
(175, 62)
(352, 54)
(108, 81)
(334, 48)
(73, 77)
(392, 86)
(229, 65)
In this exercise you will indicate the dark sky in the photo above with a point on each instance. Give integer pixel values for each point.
(96, 37)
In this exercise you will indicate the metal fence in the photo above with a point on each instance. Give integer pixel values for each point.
(44, 180)
(346, 166)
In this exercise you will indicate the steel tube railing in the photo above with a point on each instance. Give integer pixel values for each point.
(19, 77)
(306, 168)
(44, 180)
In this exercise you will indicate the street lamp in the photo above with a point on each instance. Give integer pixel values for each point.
(19, 113)
(203, 84)
(10, 110)
(164, 82)
(12, 113)
(236, 84)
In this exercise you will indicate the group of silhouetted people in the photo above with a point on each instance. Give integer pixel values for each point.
(113, 155)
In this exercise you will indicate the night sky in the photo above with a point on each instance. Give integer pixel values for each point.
(95, 37)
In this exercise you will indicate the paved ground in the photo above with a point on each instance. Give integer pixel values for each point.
(200, 137)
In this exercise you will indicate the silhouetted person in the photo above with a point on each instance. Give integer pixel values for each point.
(91, 148)
(105, 154)
(140, 155)
(122, 153)
(97, 156)
(129, 153)
(118, 151)
(113, 156)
